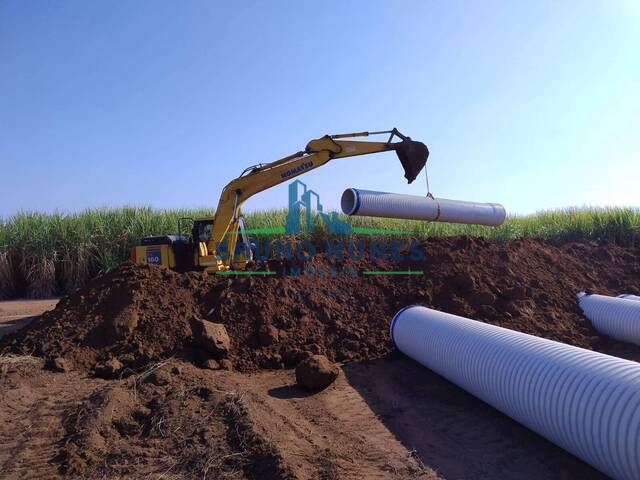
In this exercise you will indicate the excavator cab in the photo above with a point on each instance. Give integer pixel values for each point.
(201, 235)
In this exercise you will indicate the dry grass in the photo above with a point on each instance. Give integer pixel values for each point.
(75, 267)
(7, 287)
(39, 275)
(21, 364)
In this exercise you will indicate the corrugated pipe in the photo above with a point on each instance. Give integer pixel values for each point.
(629, 296)
(616, 317)
(393, 205)
(585, 402)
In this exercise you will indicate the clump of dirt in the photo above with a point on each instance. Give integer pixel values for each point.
(134, 316)
(316, 373)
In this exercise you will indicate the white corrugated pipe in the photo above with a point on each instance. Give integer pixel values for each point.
(585, 402)
(616, 317)
(629, 296)
(393, 205)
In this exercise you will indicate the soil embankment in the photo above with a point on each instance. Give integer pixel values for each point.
(384, 417)
(140, 315)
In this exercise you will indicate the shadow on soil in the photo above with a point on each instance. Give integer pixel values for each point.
(289, 391)
(452, 432)
(14, 324)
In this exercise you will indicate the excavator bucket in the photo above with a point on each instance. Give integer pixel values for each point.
(413, 157)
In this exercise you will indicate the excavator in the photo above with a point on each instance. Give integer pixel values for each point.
(213, 244)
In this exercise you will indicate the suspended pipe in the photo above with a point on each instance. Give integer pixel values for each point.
(616, 317)
(585, 402)
(629, 296)
(393, 205)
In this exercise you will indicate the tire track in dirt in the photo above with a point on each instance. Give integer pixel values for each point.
(31, 416)
(455, 434)
(335, 429)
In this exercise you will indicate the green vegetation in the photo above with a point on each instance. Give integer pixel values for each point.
(43, 254)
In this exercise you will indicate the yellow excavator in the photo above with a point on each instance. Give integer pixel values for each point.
(201, 250)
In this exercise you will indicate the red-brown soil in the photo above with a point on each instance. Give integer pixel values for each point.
(15, 314)
(388, 419)
(140, 315)
(384, 417)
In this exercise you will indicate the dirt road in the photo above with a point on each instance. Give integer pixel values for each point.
(15, 314)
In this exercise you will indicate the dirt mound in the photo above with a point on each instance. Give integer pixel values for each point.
(135, 316)
(166, 419)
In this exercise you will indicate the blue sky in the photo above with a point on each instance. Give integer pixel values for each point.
(535, 105)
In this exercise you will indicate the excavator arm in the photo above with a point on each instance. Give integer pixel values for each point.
(413, 156)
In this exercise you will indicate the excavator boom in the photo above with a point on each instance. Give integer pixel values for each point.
(413, 156)
(204, 247)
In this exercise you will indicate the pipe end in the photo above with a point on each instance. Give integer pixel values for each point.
(350, 201)
(395, 319)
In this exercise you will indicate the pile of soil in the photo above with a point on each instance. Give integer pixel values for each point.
(170, 418)
(136, 316)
